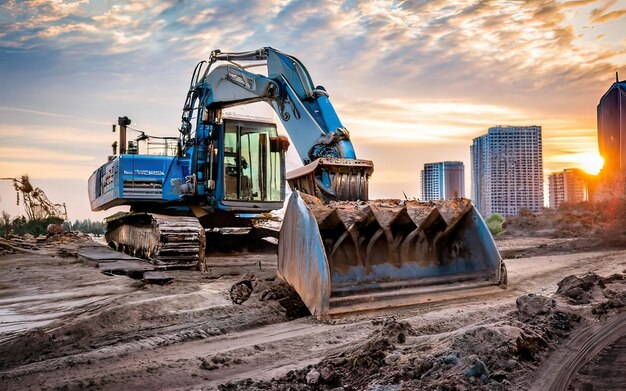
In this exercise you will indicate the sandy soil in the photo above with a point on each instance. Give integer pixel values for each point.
(65, 325)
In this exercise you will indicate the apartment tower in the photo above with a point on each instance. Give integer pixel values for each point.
(568, 185)
(507, 170)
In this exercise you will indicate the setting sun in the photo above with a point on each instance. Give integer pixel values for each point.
(591, 163)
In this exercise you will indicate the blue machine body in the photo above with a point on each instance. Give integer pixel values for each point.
(128, 179)
(159, 183)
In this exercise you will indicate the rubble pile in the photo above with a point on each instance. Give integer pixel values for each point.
(13, 243)
(28, 243)
(240, 292)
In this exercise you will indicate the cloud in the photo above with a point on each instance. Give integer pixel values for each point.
(392, 120)
(122, 28)
(577, 3)
(58, 147)
(43, 155)
(56, 138)
(417, 43)
(608, 16)
(603, 15)
(49, 114)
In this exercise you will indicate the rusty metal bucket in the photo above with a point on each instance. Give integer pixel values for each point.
(355, 256)
(332, 178)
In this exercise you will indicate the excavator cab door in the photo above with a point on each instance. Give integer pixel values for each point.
(252, 169)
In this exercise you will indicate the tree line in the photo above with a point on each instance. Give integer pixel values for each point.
(20, 225)
(86, 226)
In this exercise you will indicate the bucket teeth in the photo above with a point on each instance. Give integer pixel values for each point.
(389, 232)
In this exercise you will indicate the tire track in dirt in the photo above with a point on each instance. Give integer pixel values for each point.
(563, 365)
(266, 348)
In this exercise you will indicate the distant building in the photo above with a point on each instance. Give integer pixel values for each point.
(507, 170)
(568, 185)
(479, 155)
(556, 189)
(443, 180)
(612, 127)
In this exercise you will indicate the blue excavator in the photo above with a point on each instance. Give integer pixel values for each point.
(340, 251)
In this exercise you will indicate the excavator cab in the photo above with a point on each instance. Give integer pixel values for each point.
(251, 166)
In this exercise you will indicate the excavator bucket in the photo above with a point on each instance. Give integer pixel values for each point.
(357, 256)
(331, 178)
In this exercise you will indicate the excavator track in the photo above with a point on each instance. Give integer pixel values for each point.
(351, 256)
(169, 242)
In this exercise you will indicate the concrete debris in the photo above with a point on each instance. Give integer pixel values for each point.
(313, 377)
(328, 374)
(158, 278)
(581, 290)
(134, 269)
(241, 291)
(477, 369)
(604, 294)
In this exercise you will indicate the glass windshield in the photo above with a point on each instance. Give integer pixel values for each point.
(251, 169)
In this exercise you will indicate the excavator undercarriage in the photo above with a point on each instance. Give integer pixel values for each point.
(169, 242)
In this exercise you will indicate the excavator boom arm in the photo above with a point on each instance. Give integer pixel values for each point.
(305, 111)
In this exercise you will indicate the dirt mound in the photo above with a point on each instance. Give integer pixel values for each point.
(581, 290)
(532, 305)
(352, 369)
(27, 243)
(394, 357)
(509, 249)
(481, 356)
(492, 355)
(603, 293)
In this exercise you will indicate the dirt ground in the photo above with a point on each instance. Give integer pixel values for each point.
(65, 325)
